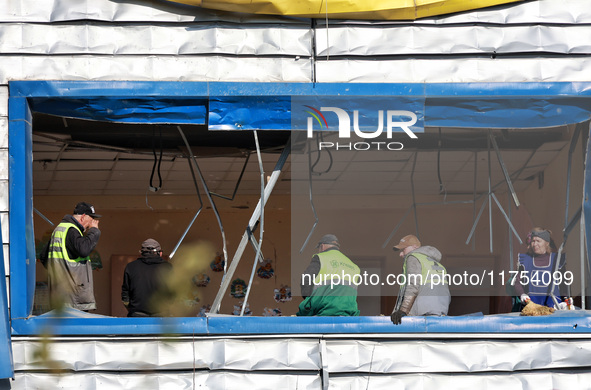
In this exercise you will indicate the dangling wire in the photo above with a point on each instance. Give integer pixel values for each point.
(311, 171)
(320, 139)
(311, 201)
(157, 161)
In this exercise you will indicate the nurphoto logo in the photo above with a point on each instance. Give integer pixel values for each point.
(395, 119)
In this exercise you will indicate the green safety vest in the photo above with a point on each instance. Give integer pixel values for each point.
(337, 267)
(70, 280)
(338, 299)
(57, 244)
(429, 268)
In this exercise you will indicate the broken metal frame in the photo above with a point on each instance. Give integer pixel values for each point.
(196, 214)
(206, 189)
(567, 229)
(258, 245)
(43, 216)
(491, 195)
(569, 225)
(237, 182)
(215, 307)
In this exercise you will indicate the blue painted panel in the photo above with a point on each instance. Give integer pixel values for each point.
(6, 361)
(22, 245)
(203, 89)
(587, 206)
(79, 89)
(309, 89)
(27, 200)
(74, 322)
(561, 322)
(525, 89)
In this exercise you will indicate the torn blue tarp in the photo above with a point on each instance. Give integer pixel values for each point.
(506, 112)
(250, 113)
(126, 110)
(276, 113)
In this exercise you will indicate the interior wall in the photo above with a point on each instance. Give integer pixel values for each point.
(127, 221)
(362, 224)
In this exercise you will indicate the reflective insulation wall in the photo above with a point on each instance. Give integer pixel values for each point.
(534, 41)
(303, 362)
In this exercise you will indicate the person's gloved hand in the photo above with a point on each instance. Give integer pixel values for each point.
(396, 317)
(561, 306)
(525, 298)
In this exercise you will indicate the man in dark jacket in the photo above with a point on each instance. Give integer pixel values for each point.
(143, 280)
(67, 260)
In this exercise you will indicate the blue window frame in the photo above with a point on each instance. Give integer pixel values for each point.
(457, 105)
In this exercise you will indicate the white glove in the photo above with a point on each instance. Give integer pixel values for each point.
(561, 306)
(525, 298)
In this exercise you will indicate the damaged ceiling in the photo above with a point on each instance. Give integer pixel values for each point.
(106, 158)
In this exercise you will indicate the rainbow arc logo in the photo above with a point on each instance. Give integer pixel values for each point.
(316, 113)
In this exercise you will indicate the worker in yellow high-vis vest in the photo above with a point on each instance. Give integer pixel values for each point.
(425, 291)
(329, 283)
(67, 260)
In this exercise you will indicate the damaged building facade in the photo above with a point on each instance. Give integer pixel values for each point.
(233, 140)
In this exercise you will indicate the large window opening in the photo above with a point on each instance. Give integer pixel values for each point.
(474, 192)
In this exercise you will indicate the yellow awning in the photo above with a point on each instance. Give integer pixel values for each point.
(347, 9)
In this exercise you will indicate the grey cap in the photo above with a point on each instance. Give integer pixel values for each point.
(151, 245)
(329, 239)
(543, 234)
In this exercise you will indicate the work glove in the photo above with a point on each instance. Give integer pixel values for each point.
(396, 317)
(567, 304)
(525, 298)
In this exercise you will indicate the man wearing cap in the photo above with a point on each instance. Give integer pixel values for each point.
(422, 294)
(143, 280)
(67, 260)
(328, 284)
